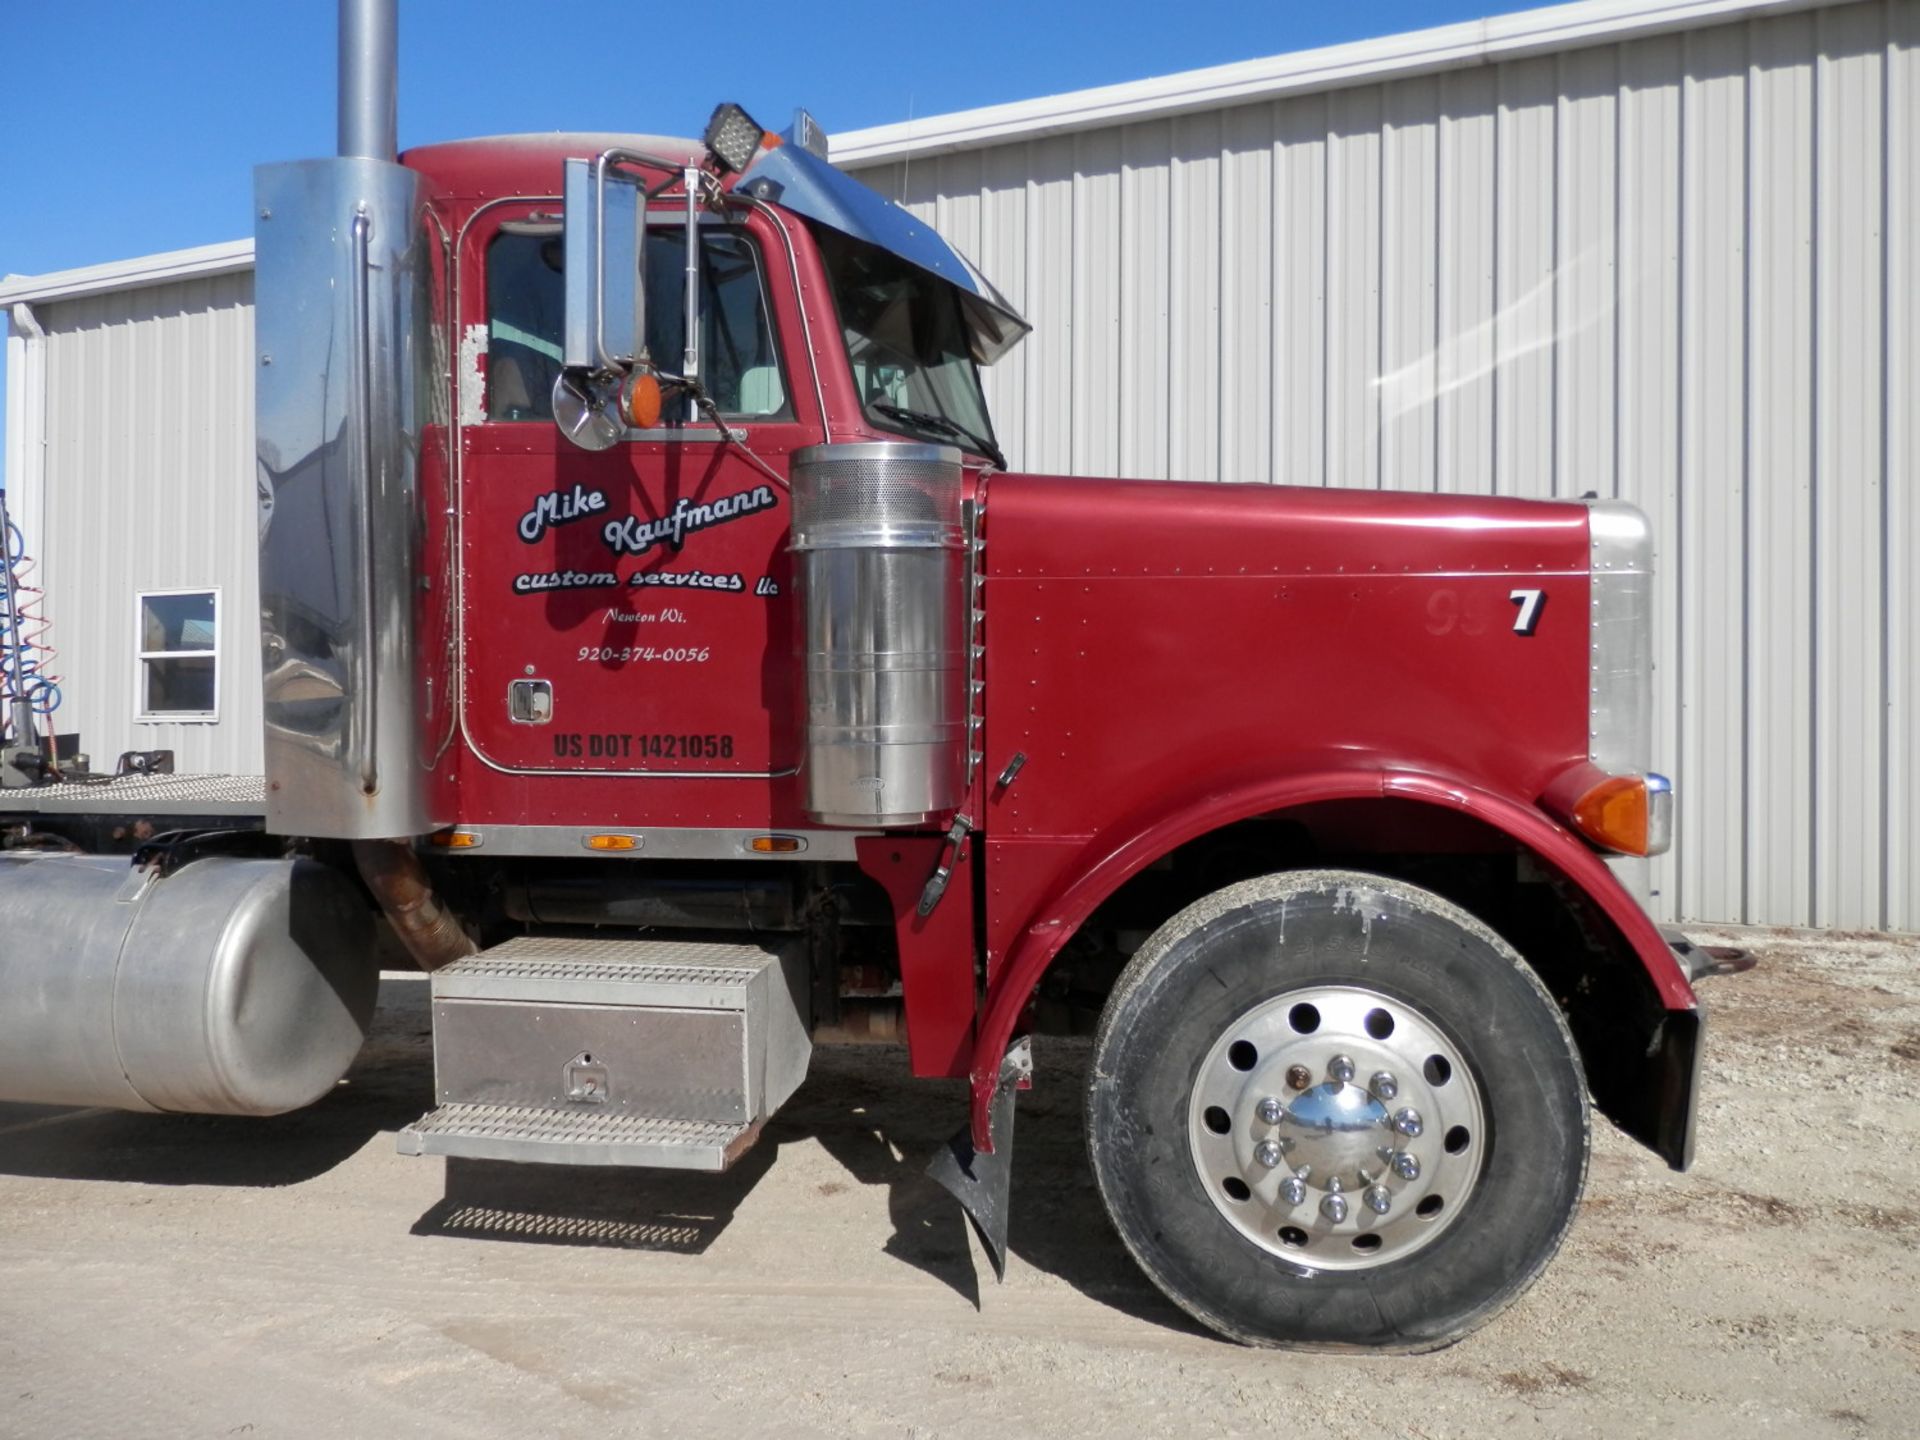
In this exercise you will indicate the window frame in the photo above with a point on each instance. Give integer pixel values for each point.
(694, 427)
(141, 655)
(902, 428)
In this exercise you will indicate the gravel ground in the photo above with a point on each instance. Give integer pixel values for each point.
(297, 1278)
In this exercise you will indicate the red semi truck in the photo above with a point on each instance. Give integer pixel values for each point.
(656, 643)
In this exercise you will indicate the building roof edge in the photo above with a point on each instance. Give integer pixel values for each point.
(1475, 42)
(142, 270)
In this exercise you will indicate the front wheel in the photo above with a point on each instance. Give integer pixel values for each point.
(1329, 1109)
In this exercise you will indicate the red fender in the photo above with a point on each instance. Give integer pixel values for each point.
(1556, 846)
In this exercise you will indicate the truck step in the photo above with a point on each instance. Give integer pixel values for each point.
(540, 968)
(665, 1053)
(532, 1135)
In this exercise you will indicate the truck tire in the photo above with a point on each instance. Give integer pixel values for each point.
(1329, 1110)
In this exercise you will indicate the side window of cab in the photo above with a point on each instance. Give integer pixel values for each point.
(526, 321)
(526, 303)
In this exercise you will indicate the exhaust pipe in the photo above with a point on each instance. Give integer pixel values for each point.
(369, 44)
(398, 880)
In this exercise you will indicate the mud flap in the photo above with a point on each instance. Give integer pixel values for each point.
(982, 1182)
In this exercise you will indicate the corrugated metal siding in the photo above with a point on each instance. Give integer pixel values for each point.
(149, 485)
(1680, 270)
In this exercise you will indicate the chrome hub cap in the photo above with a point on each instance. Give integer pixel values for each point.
(1336, 1127)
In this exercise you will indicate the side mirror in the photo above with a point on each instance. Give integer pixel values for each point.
(606, 298)
(605, 232)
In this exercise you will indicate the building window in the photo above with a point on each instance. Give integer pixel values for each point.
(179, 642)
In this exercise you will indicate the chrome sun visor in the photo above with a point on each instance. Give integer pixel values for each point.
(797, 180)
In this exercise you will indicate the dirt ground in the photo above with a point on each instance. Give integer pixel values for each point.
(297, 1278)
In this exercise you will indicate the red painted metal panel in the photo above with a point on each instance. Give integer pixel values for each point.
(673, 664)
(1151, 641)
(463, 173)
(693, 674)
(936, 951)
(436, 623)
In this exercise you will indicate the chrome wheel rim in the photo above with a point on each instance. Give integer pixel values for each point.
(1337, 1127)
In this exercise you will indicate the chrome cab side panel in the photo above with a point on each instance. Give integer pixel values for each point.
(344, 390)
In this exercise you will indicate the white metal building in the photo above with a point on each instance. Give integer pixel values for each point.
(130, 472)
(1659, 249)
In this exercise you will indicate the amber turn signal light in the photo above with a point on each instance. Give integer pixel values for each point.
(641, 403)
(455, 839)
(611, 842)
(1614, 814)
(776, 844)
(1632, 814)
(1628, 814)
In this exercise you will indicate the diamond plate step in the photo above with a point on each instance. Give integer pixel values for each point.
(665, 1053)
(541, 969)
(532, 1135)
(237, 795)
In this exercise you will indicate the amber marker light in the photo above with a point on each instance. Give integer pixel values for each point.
(776, 845)
(611, 842)
(642, 401)
(455, 840)
(1628, 814)
(1614, 814)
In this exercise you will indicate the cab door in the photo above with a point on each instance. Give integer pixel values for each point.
(630, 611)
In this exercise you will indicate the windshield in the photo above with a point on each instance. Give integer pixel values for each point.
(907, 341)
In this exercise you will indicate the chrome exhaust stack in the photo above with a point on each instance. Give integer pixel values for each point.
(369, 103)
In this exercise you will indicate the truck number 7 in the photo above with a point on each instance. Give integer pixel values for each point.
(1530, 602)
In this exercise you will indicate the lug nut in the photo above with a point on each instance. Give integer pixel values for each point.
(1270, 1110)
(1334, 1207)
(1298, 1077)
(1341, 1070)
(1293, 1190)
(1384, 1085)
(1406, 1166)
(1407, 1122)
(1267, 1153)
(1378, 1200)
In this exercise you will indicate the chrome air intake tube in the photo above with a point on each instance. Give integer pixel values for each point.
(879, 558)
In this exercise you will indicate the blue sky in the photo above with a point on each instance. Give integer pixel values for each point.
(132, 126)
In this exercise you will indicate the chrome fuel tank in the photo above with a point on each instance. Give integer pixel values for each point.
(880, 564)
(231, 987)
